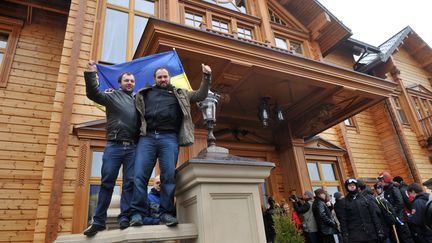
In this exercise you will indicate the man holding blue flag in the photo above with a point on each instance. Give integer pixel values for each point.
(166, 124)
(122, 132)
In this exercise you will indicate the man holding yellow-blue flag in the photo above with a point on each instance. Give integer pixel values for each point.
(166, 124)
(163, 122)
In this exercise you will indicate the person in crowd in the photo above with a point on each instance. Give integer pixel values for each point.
(122, 131)
(394, 196)
(399, 183)
(417, 218)
(304, 209)
(326, 223)
(268, 219)
(154, 199)
(358, 218)
(166, 124)
(338, 205)
(386, 214)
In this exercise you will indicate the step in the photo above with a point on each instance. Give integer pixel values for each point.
(147, 233)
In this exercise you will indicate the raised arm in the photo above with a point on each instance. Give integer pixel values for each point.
(92, 85)
(201, 93)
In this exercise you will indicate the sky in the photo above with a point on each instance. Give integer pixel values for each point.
(375, 21)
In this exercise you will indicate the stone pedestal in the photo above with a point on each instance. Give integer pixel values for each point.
(219, 193)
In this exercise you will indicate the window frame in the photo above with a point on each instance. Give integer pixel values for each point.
(398, 108)
(288, 41)
(13, 28)
(194, 13)
(131, 13)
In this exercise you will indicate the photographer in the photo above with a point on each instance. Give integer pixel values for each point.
(303, 206)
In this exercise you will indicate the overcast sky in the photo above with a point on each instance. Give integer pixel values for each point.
(375, 21)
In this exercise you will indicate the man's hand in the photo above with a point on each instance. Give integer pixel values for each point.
(206, 69)
(91, 66)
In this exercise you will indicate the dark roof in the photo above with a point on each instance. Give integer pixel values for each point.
(387, 49)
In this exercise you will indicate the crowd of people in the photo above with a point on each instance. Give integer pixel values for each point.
(389, 212)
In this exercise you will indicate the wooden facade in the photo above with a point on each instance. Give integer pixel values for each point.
(291, 51)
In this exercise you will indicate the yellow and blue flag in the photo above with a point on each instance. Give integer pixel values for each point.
(143, 69)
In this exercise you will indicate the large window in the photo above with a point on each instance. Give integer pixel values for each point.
(9, 31)
(401, 114)
(124, 23)
(244, 32)
(220, 26)
(193, 19)
(287, 44)
(236, 5)
(324, 175)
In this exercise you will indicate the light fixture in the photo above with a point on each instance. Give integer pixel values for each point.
(208, 109)
(264, 111)
(279, 113)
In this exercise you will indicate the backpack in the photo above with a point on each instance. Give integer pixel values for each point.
(386, 211)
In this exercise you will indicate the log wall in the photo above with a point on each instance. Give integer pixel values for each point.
(26, 104)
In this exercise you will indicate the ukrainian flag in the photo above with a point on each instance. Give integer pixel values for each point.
(143, 70)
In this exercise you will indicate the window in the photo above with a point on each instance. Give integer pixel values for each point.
(121, 19)
(292, 45)
(235, 5)
(275, 18)
(193, 19)
(244, 32)
(9, 31)
(324, 175)
(401, 114)
(220, 26)
(349, 122)
(281, 43)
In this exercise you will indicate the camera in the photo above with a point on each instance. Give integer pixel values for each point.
(293, 198)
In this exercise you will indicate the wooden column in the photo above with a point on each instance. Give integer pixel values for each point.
(173, 11)
(267, 33)
(349, 156)
(64, 129)
(293, 164)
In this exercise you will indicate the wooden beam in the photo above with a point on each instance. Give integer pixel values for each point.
(321, 21)
(63, 135)
(426, 63)
(42, 6)
(310, 102)
(418, 48)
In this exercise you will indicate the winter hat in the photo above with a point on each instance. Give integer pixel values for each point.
(318, 192)
(398, 179)
(350, 181)
(309, 194)
(337, 195)
(361, 185)
(385, 176)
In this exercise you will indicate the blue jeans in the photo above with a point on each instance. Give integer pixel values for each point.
(115, 154)
(164, 146)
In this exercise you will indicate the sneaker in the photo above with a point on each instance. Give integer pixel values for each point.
(136, 220)
(168, 220)
(124, 224)
(93, 229)
(150, 221)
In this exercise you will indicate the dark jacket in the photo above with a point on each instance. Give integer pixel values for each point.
(394, 196)
(122, 117)
(153, 199)
(323, 216)
(406, 200)
(358, 218)
(421, 233)
(184, 98)
(308, 220)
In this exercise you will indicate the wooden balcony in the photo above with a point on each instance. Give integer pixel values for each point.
(426, 126)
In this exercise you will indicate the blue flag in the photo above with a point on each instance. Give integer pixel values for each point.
(143, 69)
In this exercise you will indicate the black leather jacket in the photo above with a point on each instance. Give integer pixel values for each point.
(394, 196)
(122, 117)
(323, 216)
